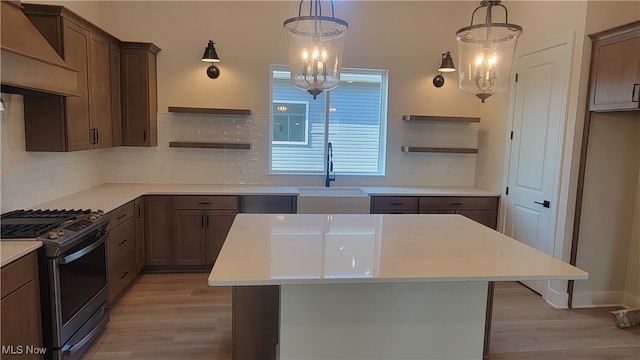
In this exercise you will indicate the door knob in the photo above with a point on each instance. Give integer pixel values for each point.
(545, 203)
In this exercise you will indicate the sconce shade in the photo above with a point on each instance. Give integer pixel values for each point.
(315, 50)
(210, 54)
(485, 54)
(447, 63)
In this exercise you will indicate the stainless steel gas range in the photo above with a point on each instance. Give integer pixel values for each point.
(73, 274)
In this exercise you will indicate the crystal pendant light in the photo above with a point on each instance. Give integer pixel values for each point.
(315, 49)
(486, 52)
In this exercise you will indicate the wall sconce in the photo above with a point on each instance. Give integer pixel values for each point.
(486, 52)
(211, 56)
(445, 66)
(315, 49)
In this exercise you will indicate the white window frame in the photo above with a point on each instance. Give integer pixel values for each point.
(306, 124)
(282, 72)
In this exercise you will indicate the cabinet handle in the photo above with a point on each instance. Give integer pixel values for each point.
(121, 217)
(207, 221)
(124, 275)
(635, 94)
(144, 135)
(138, 214)
(205, 203)
(97, 136)
(456, 203)
(122, 242)
(396, 203)
(202, 221)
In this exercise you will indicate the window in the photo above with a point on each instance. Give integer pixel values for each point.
(352, 117)
(290, 122)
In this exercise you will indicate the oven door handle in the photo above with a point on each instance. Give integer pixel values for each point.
(80, 253)
(69, 351)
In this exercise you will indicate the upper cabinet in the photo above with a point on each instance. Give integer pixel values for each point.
(116, 83)
(615, 69)
(139, 94)
(54, 123)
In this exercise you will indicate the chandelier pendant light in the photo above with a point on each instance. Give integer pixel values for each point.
(315, 49)
(486, 52)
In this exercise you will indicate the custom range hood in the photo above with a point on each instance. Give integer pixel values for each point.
(28, 63)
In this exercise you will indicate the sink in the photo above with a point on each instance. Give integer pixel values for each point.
(330, 191)
(332, 200)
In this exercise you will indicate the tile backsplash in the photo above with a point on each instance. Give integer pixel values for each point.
(30, 178)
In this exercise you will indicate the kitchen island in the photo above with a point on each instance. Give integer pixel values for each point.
(378, 286)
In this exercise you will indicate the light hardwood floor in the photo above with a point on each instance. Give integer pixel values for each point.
(177, 316)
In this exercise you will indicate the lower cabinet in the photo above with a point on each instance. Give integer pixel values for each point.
(483, 209)
(140, 237)
(21, 324)
(158, 230)
(200, 226)
(121, 249)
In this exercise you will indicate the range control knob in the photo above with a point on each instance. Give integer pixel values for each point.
(60, 232)
(53, 235)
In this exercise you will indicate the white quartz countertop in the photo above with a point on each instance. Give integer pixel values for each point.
(13, 250)
(108, 197)
(264, 249)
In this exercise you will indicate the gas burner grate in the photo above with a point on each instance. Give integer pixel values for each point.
(33, 223)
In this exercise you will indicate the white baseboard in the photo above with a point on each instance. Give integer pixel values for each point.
(558, 300)
(597, 299)
(631, 301)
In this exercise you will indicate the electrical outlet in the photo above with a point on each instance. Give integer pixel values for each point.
(411, 171)
(163, 168)
(52, 178)
(449, 171)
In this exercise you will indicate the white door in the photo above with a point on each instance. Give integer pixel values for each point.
(539, 113)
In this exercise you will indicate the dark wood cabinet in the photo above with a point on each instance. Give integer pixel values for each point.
(139, 94)
(116, 109)
(200, 226)
(21, 324)
(615, 69)
(140, 234)
(483, 209)
(256, 319)
(158, 225)
(394, 205)
(84, 122)
(121, 249)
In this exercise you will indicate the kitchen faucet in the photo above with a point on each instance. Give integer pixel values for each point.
(329, 179)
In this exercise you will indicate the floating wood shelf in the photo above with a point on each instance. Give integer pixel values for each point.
(209, 111)
(441, 119)
(449, 150)
(210, 145)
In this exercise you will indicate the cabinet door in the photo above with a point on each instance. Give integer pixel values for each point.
(484, 217)
(158, 216)
(217, 226)
(139, 94)
(100, 91)
(140, 236)
(20, 306)
(76, 52)
(189, 237)
(615, 73)
(116, 117)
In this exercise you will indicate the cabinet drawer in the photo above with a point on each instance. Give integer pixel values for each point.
(120, 215)
(399, 204)
(458, 202)
(16, 274)
(205, 202)
(121, 275)
(121, 240)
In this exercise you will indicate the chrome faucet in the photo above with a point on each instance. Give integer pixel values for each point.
(329, 179)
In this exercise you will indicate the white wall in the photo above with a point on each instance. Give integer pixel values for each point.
(631, 297)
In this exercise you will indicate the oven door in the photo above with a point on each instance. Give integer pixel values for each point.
(78, 279)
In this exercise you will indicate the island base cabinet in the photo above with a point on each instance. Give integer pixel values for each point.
(21, 325)
(256, 313)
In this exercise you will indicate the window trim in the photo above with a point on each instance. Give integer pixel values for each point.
(274, 69)
(306, 124)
